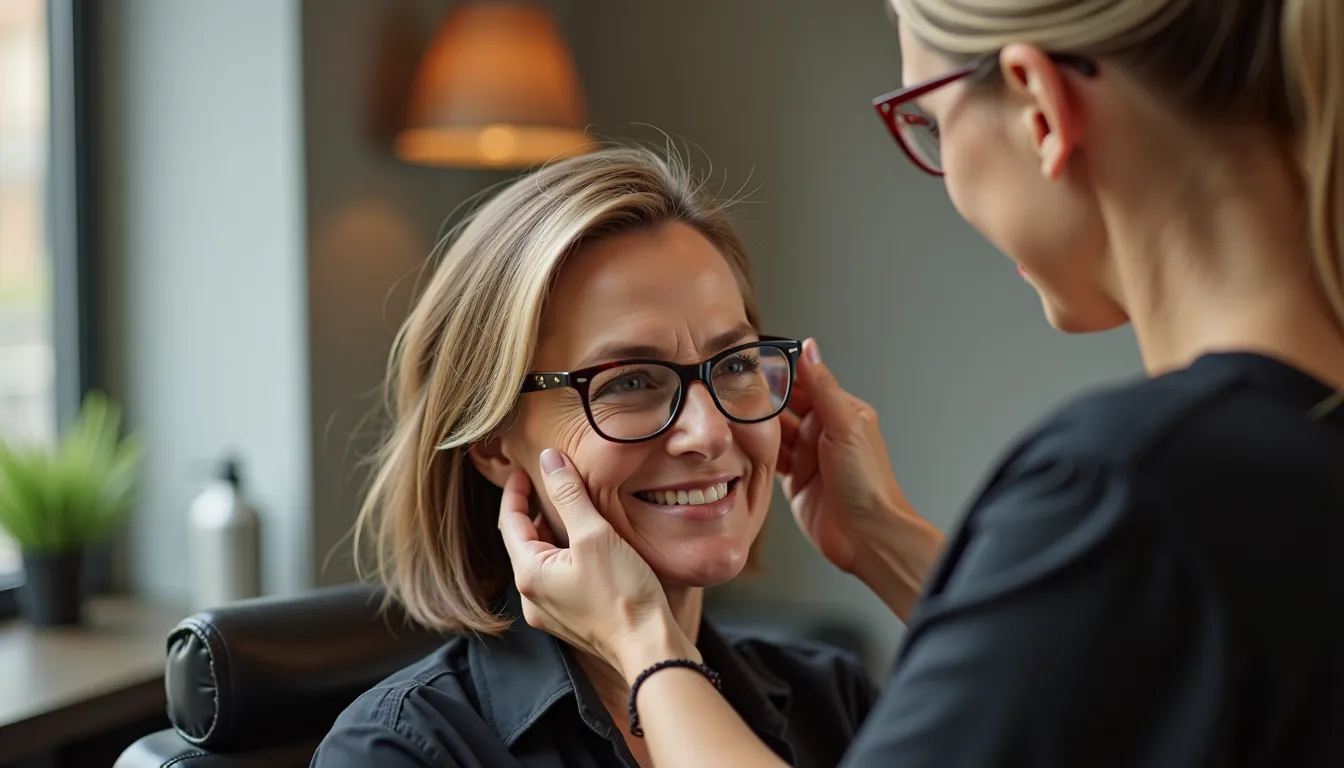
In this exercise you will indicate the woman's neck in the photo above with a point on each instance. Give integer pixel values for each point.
(687, 605)
(1226, 272)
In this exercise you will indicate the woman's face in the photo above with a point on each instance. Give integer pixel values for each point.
(664, 294)
(1000, 151)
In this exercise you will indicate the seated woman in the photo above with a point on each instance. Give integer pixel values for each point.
(603, 306)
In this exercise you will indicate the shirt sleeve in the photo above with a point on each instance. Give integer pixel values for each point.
(348, 746)
(860, 693)
(1063, 629)
(392, 727)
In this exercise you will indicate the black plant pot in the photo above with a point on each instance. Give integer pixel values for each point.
(52, 594)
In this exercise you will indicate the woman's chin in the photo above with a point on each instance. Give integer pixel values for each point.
(699, 566)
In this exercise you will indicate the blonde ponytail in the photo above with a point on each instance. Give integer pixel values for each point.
(980, 26)
(1313, 45)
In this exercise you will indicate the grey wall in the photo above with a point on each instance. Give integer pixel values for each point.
(914, 311)
(202, 232)
(372, 222)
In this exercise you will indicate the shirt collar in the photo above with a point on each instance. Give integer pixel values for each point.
(523, 673)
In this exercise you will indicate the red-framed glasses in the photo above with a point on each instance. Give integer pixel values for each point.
(917, 132)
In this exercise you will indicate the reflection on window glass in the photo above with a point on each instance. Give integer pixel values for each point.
(27, 367)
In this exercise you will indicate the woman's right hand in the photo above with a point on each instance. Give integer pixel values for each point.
(596, 594)
(838, 478)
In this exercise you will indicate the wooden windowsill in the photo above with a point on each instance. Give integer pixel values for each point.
(61, 685)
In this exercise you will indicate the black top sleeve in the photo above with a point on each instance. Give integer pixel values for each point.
(861, 693)
(1063, 609)
(399, 726)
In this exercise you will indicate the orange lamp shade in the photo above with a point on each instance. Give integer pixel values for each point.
(497, 89)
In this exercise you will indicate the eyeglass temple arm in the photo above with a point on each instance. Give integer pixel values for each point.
(536, 382)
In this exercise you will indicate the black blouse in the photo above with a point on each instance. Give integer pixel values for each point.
(1153, 577)
(521, 699)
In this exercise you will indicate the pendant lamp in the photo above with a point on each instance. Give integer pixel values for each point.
(496, 89)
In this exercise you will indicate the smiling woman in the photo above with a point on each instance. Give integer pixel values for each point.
(603, 306)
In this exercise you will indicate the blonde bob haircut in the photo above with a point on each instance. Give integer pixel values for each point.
(427, 527)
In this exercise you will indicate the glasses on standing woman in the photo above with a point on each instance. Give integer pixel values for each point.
(917, 132)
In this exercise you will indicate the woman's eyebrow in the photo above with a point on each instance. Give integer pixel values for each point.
(742, 333)
(621, 350)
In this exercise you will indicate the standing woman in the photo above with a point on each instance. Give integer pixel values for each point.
(1154, 575)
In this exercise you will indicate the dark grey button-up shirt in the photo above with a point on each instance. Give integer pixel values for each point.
(521, 699)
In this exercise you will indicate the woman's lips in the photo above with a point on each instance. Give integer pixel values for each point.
(710, 510)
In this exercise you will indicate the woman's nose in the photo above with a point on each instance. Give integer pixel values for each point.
(701, 428)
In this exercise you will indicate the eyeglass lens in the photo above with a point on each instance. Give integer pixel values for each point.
(636, 401)
(919, 132)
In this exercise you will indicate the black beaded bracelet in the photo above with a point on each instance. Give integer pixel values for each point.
(713, 677)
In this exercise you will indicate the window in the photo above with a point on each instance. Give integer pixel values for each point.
(27, 365)
(45, 309)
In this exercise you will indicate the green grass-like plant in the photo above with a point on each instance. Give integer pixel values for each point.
(58, 500)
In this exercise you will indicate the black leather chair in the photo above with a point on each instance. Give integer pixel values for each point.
(259, 682)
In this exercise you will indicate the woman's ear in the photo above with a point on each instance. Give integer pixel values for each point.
(1050, 112)
(490, 460)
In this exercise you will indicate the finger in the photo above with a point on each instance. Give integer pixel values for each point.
(824, 394)
(544, 531)
(567, 492)
(788, 425)
(800, 400)
(515, 526)
(804, 460)
(516, 497)
(788, 433)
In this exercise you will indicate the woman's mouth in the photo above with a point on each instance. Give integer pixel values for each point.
(688, 496)
(698, 503)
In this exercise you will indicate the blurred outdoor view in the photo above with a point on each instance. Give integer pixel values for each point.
(27, 367)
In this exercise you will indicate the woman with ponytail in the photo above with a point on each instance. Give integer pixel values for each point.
(1154, 575)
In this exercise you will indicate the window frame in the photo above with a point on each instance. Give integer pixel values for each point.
(68, 214)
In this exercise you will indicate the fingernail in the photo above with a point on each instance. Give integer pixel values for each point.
(552, 461)
(813, 351)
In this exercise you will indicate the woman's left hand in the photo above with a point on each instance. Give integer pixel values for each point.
(597, 594)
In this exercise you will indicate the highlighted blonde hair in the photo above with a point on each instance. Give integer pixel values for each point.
(429, 518)
(1278, 62)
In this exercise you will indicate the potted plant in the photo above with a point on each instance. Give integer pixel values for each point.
(56, 501)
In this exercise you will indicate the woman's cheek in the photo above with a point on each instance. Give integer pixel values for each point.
(562, 429)
(592, 458)
(761, 443)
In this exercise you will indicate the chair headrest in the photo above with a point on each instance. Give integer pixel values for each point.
(269, 669)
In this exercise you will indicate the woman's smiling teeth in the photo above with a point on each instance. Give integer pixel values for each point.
(684, 497)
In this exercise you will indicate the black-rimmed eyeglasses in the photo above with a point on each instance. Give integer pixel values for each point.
(628, 401)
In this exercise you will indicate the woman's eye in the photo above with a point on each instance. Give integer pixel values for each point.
(630, 383)
(741, 364)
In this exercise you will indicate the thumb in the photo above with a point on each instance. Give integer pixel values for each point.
(567, 492)
(828, 400)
